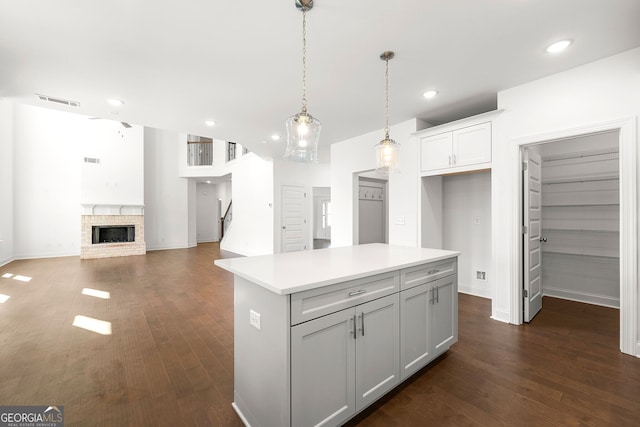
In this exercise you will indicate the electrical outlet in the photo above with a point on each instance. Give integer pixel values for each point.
(481, 275)
(254, 319)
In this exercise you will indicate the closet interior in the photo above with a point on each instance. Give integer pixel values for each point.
(581, 219)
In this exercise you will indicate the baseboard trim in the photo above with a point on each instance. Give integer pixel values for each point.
(7, 261)
(502, 316)
(475, 290)
(602, 300)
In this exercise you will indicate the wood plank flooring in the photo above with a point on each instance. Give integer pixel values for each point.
(169, 359)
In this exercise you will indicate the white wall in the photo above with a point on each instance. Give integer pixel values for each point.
(355, 155)
(6, 182)
(251, 231)
(47, 183)
(595, 93)
(119, 176)
(467, 228)
(207, 215)
(298, 174)
(166, 195)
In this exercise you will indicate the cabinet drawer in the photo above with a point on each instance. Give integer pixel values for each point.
(414, 276)
(314, 303)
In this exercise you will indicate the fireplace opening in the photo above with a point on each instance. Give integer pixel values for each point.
(113, 234)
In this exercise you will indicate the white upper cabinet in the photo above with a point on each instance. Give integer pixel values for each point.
(460, 148)
(472, 145)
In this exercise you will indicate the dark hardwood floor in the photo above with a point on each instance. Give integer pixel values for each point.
(169, 358)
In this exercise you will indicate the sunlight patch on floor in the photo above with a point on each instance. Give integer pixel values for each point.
(96, 293)
(94, 325)
(4, 298)
(22, 278)
(7, 275)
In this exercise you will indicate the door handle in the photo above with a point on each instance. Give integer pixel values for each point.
(433, 296)
(355, 334)
(543, 240)
(362, 323)
(284, 227)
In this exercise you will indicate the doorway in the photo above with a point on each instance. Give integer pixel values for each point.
(322, 217)
(572, 217)
(372, 210)
(628, 244)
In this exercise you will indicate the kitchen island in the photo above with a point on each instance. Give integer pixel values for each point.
(320, 335)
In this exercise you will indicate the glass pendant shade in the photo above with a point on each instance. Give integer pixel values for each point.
(387, 154)
(303, 133)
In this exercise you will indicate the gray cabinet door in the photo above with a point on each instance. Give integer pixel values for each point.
(377, 349)
(415, 350)
(444, 315)
(323, 370)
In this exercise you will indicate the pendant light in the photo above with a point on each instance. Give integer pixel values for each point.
(387, 150)
(303, 130)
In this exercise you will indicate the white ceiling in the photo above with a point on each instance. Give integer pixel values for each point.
(178, 63)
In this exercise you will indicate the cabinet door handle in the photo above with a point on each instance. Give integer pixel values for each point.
(454, 159)
(449, 159)
(433, 271)
(362, 320)
(433, 296)
(355, 334)
(354, 293)
(437, 295)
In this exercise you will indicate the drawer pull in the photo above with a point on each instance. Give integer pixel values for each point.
(437, 270)
(354, 293)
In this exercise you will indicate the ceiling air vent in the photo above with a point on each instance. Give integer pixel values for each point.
(91, 160)
(58, 100)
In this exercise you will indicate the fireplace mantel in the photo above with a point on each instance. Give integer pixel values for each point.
(111, 209)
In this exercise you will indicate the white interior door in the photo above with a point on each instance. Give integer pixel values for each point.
(293, 218)
(532, 209)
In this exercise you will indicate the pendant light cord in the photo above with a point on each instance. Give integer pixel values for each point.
(304, 60)
(386, 94)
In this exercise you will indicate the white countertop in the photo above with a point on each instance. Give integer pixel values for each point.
(291, 272)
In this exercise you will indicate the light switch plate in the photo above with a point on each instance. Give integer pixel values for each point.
(255, 319)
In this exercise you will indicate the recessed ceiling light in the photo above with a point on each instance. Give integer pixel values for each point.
(558, 46)
(430, 94)
(210, 123)
(275, 137)
(115, 102)
(208, 182)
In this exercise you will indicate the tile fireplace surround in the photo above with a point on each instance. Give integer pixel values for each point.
(113, 215)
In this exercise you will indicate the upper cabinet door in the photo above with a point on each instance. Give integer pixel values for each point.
(472, 145)
(436, 152)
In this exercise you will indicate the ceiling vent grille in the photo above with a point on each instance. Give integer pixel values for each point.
(58, 100)
(91, 160)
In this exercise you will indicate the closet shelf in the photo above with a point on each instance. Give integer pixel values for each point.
(575, 254)
(559, 205)
(581, 179)
(579, 230)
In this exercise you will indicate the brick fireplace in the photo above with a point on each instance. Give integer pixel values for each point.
(111, 216)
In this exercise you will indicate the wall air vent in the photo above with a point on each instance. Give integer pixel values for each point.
(91, 160)
(58, 100)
